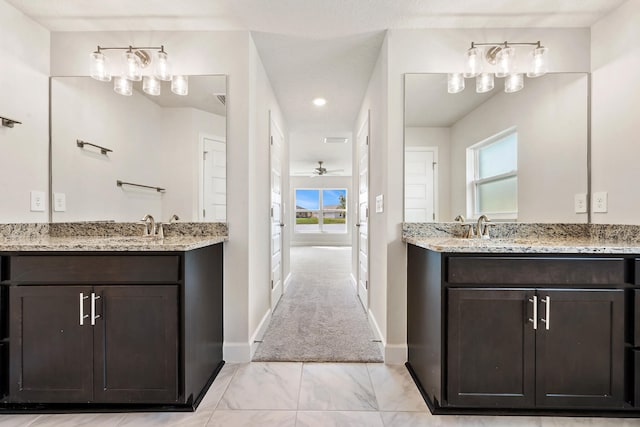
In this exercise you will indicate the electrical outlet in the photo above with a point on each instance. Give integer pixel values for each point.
(599, 202)
(580, 203)
(59, 202)
(37, 201)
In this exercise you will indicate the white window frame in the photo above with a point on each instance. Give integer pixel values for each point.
(320, 211)
(473, 181)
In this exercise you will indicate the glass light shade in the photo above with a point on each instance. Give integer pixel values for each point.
(151, 85)
(455, 82)
(132, 69)
(484, 82)
(180, 85)
(505, 61)
(162, 67)
(514, 82)
(99, 67)
(539, 66)
(473, 63)
(123, 86)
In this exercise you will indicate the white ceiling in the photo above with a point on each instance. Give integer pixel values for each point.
(313, 47)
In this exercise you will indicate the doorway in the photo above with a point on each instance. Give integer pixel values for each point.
(212, 179)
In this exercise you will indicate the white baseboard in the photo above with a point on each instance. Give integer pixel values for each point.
(260, 331)
(354, 281)
(393, 354)
(286, 283)
(236, 352)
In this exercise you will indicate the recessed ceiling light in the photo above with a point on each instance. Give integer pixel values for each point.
(319, 102)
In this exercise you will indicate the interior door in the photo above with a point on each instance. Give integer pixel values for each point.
(277, 222)
(363, 214)
(214, 180)
(419, 189)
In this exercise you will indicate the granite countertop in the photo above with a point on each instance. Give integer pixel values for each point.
(116, 244)
(564, 245)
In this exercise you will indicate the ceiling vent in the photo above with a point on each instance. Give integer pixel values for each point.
(222, 99)
(335, 140)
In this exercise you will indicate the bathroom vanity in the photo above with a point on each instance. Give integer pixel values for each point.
(524, 326)
(121, 323)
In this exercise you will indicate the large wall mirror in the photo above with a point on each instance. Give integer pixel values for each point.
(515, 156)
(117, 158)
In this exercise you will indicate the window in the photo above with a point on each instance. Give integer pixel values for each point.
(321, 210)
(492, 175)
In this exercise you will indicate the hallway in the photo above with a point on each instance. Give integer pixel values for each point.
(319, 318)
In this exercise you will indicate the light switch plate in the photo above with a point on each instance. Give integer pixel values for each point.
(37, 201)
(59, 202)
(379, 203)
(599, 202)
(580, 203)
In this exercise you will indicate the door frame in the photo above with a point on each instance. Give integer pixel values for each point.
(276, 291)
(363, 294)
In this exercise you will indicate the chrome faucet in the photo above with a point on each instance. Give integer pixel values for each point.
(482, 228)
(468, 232)
(174, 217)
(150, 225)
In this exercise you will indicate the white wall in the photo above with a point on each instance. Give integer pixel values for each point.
(436, 137)
(263, 105)
(24, 153)
(327, 239)
(374, 106)
(614, 121)
(550, 116)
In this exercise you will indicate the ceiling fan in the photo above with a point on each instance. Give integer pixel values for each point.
(321, 170)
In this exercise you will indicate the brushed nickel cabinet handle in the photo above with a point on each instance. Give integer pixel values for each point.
(94, 316)
(82, 315)
(547, 312)
(534, 320)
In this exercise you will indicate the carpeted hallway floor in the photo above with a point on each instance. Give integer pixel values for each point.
(319, 318)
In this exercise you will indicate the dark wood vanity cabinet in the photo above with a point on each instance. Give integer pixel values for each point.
(125, 350)
(95, 328)
(498, 357)
(519, 332)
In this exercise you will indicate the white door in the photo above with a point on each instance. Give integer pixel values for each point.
(420, 195)
(213, 180)
(277, 221)
(363, 214)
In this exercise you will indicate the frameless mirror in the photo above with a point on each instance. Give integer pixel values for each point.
(513, 156)
(118, 158)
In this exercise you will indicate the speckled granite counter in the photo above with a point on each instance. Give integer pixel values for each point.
(115, 244)
(528, 238)
(108, 236)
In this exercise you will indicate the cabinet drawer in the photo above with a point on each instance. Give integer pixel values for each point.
(535, 271)
(4, 368)
(4, 311)
(94, 268)
(637, 272)
(635, 361)
(636, 316)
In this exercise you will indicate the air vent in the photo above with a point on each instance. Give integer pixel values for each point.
(222, 99)
(335, 140)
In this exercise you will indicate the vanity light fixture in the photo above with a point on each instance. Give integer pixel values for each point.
(134, 61)
(501, 58)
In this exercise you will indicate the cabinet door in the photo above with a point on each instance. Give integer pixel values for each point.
(51, 354)
(136, 344)
(580, 349)
(490, 348)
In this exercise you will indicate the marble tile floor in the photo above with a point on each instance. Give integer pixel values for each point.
(277, 394)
